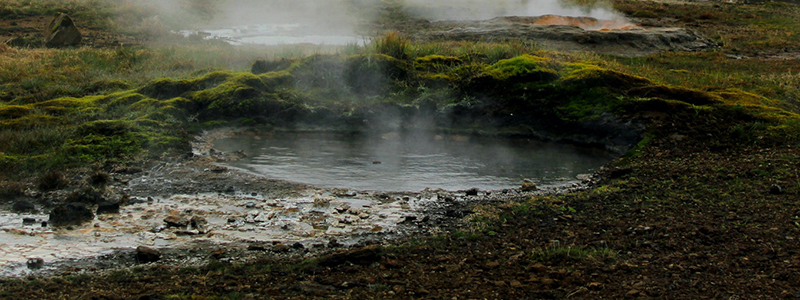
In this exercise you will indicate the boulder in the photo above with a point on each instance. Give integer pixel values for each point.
(62, 32)
(70, 214)
(146, 254)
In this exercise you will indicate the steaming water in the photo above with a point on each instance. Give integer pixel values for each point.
(411, 162)
(276, 34)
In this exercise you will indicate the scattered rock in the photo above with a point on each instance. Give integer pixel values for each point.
(176, 221)
(199, 223)
(146, 254)
(35, 263)
(473, 192)
(28, 221)
(70, 214)
(62, 32)
(23, 206)
(108, 207)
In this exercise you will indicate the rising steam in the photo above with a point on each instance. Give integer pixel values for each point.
(343, 16)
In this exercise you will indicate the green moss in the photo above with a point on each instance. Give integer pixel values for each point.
(691, 96)
(587, 74)
(523, 68)
(14, 111)
(436, 63)
(166, 88)
(371, 74)
(31, 121)
(123, 99)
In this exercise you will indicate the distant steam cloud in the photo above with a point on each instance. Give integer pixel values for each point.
(486, 9)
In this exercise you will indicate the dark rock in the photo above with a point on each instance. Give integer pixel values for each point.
(176, 221)
(23, 206)
(298, 245)
(70, 214)
(28, 221)
(108, 207)
(146, 254)
(257, 247)
(360, 256)
(776, 189)
(199, 223)
(280, 248)
(62, 32)
(528, 186)
(35, 263)
(472, 192)
(44, 223)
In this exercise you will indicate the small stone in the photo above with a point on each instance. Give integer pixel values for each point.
(776, 190)
(176, 221)
(298, 245)
(253, 194)
(250, 204)
(28, 221)
(146, 254)
(472, 192)
(594, 286)
(35, 263)
(633, 293)
(199, 223)
(528, 186)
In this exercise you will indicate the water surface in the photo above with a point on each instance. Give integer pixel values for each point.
(411, 162)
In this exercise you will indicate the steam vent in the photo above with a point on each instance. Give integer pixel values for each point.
(572, 34)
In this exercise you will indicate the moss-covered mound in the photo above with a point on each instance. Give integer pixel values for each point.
(529, 95)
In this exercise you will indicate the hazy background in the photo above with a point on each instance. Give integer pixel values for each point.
(343, 16)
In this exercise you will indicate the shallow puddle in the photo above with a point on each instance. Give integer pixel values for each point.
(410, 162)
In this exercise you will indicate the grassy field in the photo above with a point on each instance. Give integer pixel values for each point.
(692, 210)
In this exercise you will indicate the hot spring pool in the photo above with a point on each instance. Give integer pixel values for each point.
(410, 162)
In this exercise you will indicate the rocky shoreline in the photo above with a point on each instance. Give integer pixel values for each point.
(193, 210)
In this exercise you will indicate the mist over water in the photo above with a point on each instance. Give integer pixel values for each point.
(484, 9)
(411, 162)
